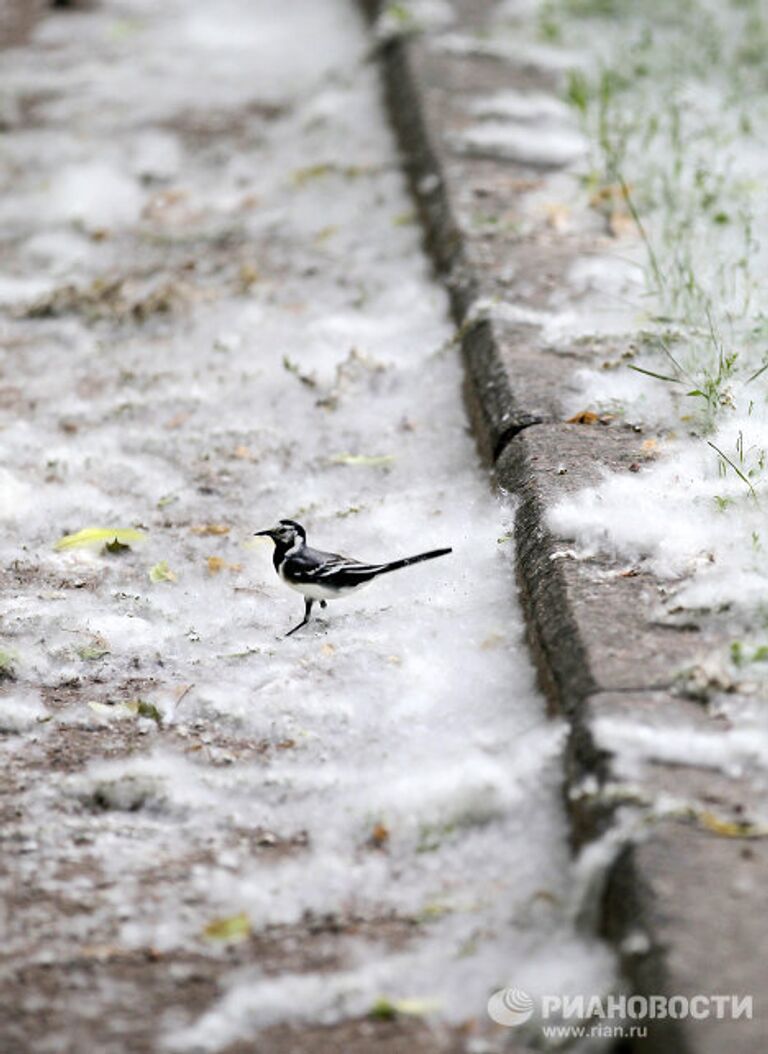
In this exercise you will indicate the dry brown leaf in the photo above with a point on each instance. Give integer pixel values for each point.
(379, 836)
(210, 528)
(216, 564)
(586, 417)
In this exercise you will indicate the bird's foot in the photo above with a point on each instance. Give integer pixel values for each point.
(292, 631)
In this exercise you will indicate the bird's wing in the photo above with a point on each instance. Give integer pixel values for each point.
(314, 566)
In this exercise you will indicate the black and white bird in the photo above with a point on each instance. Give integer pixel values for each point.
(325, 576)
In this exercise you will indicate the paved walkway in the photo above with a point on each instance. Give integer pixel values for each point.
(218, 314)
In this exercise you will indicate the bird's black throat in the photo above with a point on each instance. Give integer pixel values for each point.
(281, 550)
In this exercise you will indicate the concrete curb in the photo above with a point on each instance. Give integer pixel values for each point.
(578, 629)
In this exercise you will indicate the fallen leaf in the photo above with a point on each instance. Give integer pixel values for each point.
(730, 828)
(586, 417)
(211, 528)
(232, 929)
(216, 564)
(416, 1007)
(97, 536)
(379, 836)
(144, 709)
(161, 573)
(97, 649)
(385, 1009)
(130, 708)
(362, 459)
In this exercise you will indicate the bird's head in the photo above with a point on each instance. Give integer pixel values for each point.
(285, 533)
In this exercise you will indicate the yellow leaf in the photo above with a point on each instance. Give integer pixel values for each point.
(161, 573)
(730, 828)
(99, 536)
(385, 1009)
(416, 1007)
(233, 928)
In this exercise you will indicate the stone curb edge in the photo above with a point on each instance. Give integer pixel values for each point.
(554, 636)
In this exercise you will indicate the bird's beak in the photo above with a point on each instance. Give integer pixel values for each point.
(268, 533)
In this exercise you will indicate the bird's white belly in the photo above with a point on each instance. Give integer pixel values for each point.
(316, 591)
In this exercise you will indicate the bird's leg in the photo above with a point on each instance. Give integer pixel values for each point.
(323, 603)
(307, 612)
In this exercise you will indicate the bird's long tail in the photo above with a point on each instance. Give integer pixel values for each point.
(408, 560)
